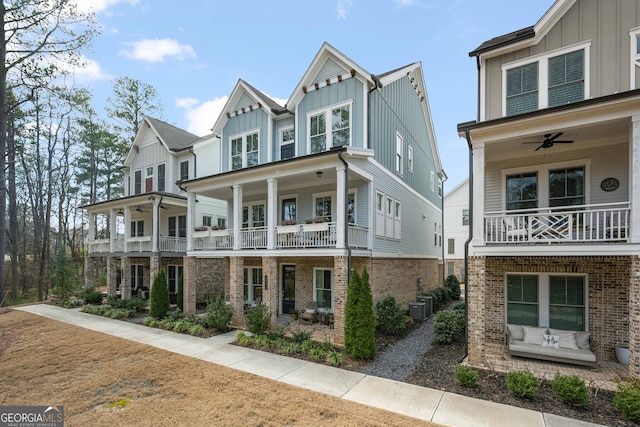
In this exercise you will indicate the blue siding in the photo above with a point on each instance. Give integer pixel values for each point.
(397, 108)
(256, 119)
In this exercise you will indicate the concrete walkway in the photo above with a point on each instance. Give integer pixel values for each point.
(440, 407)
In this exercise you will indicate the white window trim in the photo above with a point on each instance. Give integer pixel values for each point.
(180, 163)
(279, 208)
(328, 123)
(281, 142)
(243, 136)
(250, 284)
(156, 171)
(544, 298)
(250, 205)
(399, 163)
(331, 194)
(177, 270)
(141, 182)
(634, 57)
(380, 214)
(410, 158)
(333, 290)
(543, 72)
(543, 179)
(355, 205)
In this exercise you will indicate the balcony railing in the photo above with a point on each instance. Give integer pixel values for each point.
(299, 236)
(172, 244)
(575, 224)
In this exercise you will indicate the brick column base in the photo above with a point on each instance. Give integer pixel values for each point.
(634, 318)
(340, 283)
(189, 284)
(475, 308)
(272, 292)
(154, 269)
(112, 276)
(90, 272)
(125, 286)
(236, 290)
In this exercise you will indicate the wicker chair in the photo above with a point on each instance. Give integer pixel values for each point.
(310, 314)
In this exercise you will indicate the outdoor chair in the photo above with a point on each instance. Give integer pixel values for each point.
(310, 314)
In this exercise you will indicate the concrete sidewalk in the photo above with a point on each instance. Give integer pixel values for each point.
(440, 407)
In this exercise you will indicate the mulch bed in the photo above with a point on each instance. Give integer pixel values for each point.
(437, 368)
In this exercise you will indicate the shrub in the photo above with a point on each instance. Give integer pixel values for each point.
(290, 347)
(359, 329)
(218, 314)
(150, 321)
(180, 295)
(258, 319)
(264, 341)
(627, 399)
(570, 389)
(300, 336)
(277, 333)
(466, 376)
(452, 286)
(243, 339)
(181, 325)
(448, 326)
(440, 298)
(523, 384)
(159, 305)
(307, 346)
(90, 296)
(196, 329)
(334, 358)
(460, 307)
(175, 315)
(136, 304)
(318, 354)
(390, 315)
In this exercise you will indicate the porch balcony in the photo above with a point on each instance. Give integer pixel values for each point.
(595, 223)
(299, 236)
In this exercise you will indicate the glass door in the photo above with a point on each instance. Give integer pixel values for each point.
(288, 288)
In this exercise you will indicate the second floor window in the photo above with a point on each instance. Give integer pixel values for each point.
(399, 152)
(206, 220)
(287, 144)
(137, 228)
(178, 226)
(330, 128)
(184, 170)
(161, 177)
(244, 151)
(323, 207)
(522, 191)
(288, 209)
(148, 181)
(465, 216)
(137, 182)
(566, 78)
(522, 89)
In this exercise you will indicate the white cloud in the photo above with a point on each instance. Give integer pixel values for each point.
(201, 116)
(343, 8)
(97, 6)
(157, 50)
(91, 71)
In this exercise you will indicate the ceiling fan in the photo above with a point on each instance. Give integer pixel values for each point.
(549, 141)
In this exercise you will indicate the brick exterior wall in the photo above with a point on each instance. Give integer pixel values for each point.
(608, 298)
(112, 277)
(189, 284)
(210, 277)
(634, 317)
(236, 293)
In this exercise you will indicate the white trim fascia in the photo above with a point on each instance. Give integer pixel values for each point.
(398, 74)
(403, 184)
(633, 56)
(383, 254)
(556, 250)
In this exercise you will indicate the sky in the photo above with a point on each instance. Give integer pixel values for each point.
(194, 51)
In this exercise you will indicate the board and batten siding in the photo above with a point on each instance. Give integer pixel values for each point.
(604, 162)
(417, 216)
(454, 203)
(151, 155)
(349, 90)
(236, 125)
(396, 108)
(603, 23)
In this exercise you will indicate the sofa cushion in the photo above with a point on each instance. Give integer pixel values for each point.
(515, 332)
(582, 338)
(550, 341)
(567, 340)
(565, 353)
(533, 335)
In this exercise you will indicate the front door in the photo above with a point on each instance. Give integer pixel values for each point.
(288, 288)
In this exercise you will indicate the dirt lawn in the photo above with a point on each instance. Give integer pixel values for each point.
(45, 362)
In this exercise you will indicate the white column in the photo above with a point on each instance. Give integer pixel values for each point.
(127, 227)
(272, 211)
(341, 218)
(191, 215)
(155, 240)
(478, 194)
(113, 232)
(237, 215)
(634, 179)
(92, 227)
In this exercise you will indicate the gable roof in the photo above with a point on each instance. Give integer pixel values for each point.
(272, 107)
(525, 37)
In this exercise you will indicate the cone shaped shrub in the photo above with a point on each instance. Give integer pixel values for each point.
(180, 296)
(359, 329)
(159, 304)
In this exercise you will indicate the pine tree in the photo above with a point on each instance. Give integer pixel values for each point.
(359, 330)
(159, 305)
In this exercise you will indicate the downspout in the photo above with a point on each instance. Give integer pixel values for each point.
(346, 214)
(158, 233)
(195, 162)
(466, 249)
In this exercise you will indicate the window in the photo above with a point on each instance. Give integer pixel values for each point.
(635, 58)
(137, 277)
(522, 89)
(288, 209)
(522, 299)
(440, 188)
(256, 219)
(433, 181)
(222, 222)
(566, 187)
(435, 234)
(252, 281)
(137, 228)
(148, 181)
(522, 191)
(322, 288)
(287, 144)
(410, 158)
(566, 78)
(399, 152)
(323, 207)
(379, 214)
(465, 216)
(177, 226)
(554, 78)
(244, 151)
(451, 246)
(351, 209)
(396, 218)
(173, 275)
(161, 177)
(338, 120)
(137, 182)
(556, 301)
(206, 220)
(451, 268)
(184, 170)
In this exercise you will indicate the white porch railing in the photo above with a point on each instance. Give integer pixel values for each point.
(576, 224)
(172, 244)
(99, 246)
(139, 244)
(253, 238)
(214, 241)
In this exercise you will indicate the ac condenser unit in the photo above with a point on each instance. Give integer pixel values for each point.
(417, 310)
(428, 300)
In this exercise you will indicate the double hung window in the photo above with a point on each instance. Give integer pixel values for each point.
(245, 151)
(329, 128)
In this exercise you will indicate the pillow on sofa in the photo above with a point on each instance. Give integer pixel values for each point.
(567, 340)
(582, 338)
(533, 335)
(515, 332)
(550, 341)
